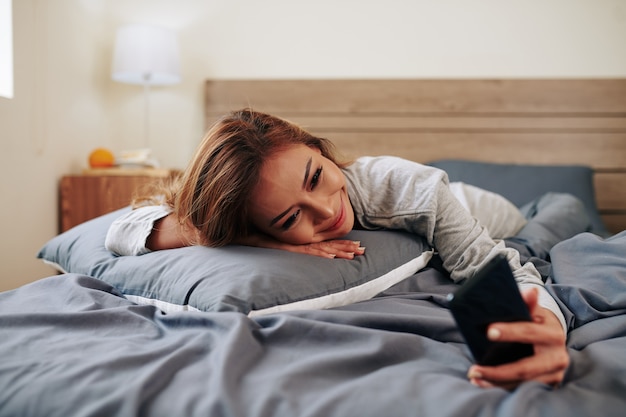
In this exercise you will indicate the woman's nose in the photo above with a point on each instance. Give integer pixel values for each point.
(322, 210)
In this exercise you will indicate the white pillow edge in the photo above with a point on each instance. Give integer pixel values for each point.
(164, 306)
(352, 295)
(55, 266)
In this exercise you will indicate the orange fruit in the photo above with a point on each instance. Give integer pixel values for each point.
(101, 158)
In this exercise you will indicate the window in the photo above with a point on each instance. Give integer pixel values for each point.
(6, 49)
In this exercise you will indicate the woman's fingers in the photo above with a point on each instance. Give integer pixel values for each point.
(553, 379)
(527, 332)
(544, 367)
(342, 249)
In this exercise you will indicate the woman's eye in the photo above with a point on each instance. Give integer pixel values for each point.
(290, 220)
(315, 178)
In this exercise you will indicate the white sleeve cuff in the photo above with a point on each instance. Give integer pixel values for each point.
(127, 235)
(546, 301)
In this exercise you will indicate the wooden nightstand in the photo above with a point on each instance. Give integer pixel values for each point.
(100, 191)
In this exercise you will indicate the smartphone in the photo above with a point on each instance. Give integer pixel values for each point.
(490, 296)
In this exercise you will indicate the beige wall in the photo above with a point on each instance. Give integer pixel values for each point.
(65, 103)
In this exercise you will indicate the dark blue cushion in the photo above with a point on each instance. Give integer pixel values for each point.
(522, 184)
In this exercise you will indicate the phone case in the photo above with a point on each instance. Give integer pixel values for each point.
(490, 296)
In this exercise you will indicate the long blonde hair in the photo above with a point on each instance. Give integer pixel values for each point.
(213, 194)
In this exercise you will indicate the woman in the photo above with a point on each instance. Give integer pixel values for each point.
(259, 180)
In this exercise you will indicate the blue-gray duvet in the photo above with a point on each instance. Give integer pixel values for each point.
(70, 345)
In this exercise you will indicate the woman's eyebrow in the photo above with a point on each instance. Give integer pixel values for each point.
(280, 216)
(306, 172)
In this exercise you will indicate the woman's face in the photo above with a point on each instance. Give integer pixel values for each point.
(301, 198)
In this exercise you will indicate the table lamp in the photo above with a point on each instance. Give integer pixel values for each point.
(146, 55)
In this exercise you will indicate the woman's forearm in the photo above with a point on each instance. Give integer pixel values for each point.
(169, 233)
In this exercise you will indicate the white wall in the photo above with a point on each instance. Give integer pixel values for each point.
(65, 103)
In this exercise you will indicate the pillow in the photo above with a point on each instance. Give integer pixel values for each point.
(249, 280)
(521, 184)
(501, 218)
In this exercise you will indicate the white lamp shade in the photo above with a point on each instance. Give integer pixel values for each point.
(146, 54)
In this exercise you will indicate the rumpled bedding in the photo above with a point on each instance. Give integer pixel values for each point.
(71, 345)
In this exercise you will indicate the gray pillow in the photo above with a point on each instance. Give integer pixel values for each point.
(249, 280)
(521, 184)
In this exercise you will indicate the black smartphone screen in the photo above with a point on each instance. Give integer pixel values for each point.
(490, 296)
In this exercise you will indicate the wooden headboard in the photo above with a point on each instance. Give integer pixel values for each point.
(556, 122)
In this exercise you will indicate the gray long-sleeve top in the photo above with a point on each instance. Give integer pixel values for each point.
(393, 193)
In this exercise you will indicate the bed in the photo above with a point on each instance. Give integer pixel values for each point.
(242, 331)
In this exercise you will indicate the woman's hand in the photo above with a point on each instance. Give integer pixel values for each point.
(343, 249)
(547, 365)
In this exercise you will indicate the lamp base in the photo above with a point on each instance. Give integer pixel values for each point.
(137, 157)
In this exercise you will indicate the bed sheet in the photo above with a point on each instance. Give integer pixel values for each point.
(71, 345)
